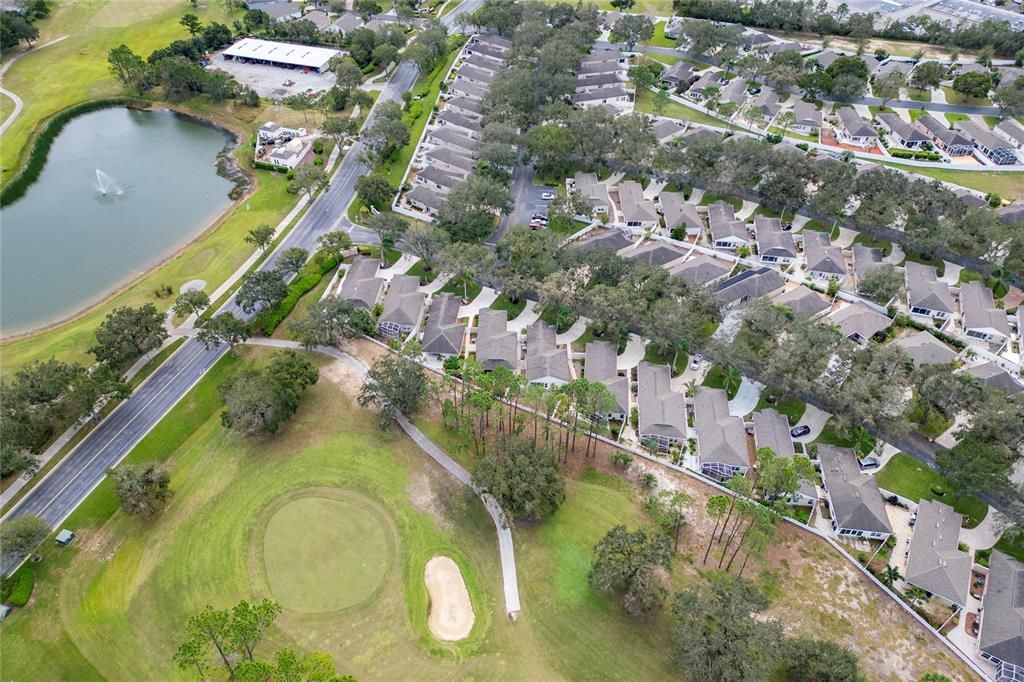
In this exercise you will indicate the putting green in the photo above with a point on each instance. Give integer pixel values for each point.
(324, 553)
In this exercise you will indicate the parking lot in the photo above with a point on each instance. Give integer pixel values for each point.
(268, 81)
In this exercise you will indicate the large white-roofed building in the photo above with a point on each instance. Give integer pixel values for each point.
(289, 55)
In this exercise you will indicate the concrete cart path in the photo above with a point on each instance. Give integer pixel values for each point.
(505, 547)
(18, 104)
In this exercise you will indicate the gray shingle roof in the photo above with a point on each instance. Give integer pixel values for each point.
(607, 92)
(613, 240)
(1013, 129)
(468, 88)
(749, 284)
(935, 564)
(721, 438)
(806, 114)
(495, 345)
(924, 349)
(455, 139)
(442, 334)
(455, 118)
(601, 359)
(866, 258)
(678, 72)
(854, 125)
(859, 319)
(735, 91)
(665, 129)
(943, 132)
(901, 128)
(701, 269)
(543, 357)
(924, 289)
(425, 196)
(677, 212)
(982, 135)
(821, 255)
(450, 157)
(484, 62)
(979, 310)
(662, 410)
(347, 22)
(771, 430)
(475, 73)
(1002, 622)
(436, 176)
(772, 240)
(803, 301)
(992, 375)
(403, 303)
(472, 106)
(856, 502)
(361, 286)
(654, 253)
(632, 203)
(723, 223)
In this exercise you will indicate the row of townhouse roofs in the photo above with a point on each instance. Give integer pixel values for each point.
(448, 152)
(281, 11)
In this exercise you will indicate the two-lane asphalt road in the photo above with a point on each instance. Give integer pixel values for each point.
(64, 488)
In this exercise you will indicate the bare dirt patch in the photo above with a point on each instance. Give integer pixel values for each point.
(342, 375)
(451, 611)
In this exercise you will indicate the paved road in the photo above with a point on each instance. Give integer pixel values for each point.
(870, 101)
(18, 104)
(61, 491)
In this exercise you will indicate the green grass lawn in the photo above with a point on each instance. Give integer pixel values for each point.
(666, 59)
(954, 97)
(916, 114)
(932, 427)
(999, 288)
(659, 39)
(992, 121)
(1012, 542)
(869, 241)
(711, 197)
(419, 269)
(565, 227)
(909, 478)
(919, 95)
(678, 367)
(504, 303)
(860, 440)
(792, 134)
(953, 117)
(717, 377)
(1010, 186)
(463, 287)
(645, 104)
(793, 408)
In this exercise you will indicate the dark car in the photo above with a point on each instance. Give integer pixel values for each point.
(798, 431)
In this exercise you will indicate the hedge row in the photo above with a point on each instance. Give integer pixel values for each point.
(920, 156)
(270, 167)
(17, 589)
(16, 188)
(268, 320)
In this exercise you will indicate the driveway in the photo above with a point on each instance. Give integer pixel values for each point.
(746, 398)
(484, 299)
(529, 315)
(526, 201)
(632, 354)
(572, 333)
(814, 418)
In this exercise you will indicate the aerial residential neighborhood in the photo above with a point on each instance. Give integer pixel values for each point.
(508, 339)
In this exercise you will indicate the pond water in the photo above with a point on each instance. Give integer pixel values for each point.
(121, 190)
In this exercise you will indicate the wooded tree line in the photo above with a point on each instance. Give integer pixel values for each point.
(796, 15)
(17, 25)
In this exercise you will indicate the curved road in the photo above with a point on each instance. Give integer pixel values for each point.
(71, 481)
(18, 104)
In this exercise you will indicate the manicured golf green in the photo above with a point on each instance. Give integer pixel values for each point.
(324, 553)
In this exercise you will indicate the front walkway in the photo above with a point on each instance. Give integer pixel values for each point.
(506, 549)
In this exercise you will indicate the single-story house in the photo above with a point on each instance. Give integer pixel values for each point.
(345, 24)
(771, 430)
(924, 349)
(859, 323)
(593, 189)
(708, 79)
(905, 134)
(284, 11)
(437, 179)
(946, 139)
(654, 253)
(451, 160)
(678, 213)
(677, 74)
(611, 240)
(980, 317)
(854, 501)
(854, 130)
(662, 410)
(752, 39)
(425, 199)
(824, 58)
(807, 117)
(666, 129)
(472, 107)
(600, 365)
(992, 375)
(443, 334)
(774, 245)
(926, 295)
(318, 18)
(476, 75)
(1011, 213)
(402, 308)
(361, 286)
(466, 88)
(467, 125)
(450, 137)
(766, 104)
(1011, 131)
(735, 92)
(1001, 639)
(633, 210)
(803, 301)
(892, 66)
(749, 284)
(866, 259)
(935, 563)
(605, 95)
(722, 449)
(726, 232)
(546, 363)
(496, 346)
(702, 270)
(997, 149)
(824, 261)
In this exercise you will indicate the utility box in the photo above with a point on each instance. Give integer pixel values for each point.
(65, 537)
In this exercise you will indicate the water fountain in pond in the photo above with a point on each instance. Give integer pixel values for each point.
(106, 185)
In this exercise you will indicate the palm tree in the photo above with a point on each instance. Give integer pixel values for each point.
(890, 575)
(915, 595)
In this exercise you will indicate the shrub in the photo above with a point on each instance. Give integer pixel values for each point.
(17, 589)
(269, 166)
(268, 320)
(938, 490)
(622, 460)
(803, 146)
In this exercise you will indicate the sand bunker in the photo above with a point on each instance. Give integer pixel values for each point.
(451, 613)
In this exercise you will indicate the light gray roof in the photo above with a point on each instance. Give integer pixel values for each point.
(677, 212)
(979, 310)
(481, 61)
(701, 269)
(904, 130)
(723, 223)
(442, 334)
(599, 80)
(596, 67)
(543, 358)
(455, 118)
(925, 290)
(455, 139)
(665, 129)
(601, 359)
(347, 22)
(678, 72)
(856, 502)
(632, 203)
(495, 345)
(892, 65)
(662, 410)
(436, 176)
(721, 437)
(403, 303)
(613, 239)
(707, 79)
(1012, 128)
(821, 255)
(1011, 213)
(866, 258)
(772, 240)
(859, 319)
(282, 10)
(475, 73)
(450, 157)
(654, 253)
(855, 126)
(603, 56)
(935, 564)
(992, 375)
(1002, 622)
(803, 301)
(472, 106)
(361, 286)
(806, 114)
(468, 88)
(825, 57)
(749, 284)
(489, 50)
(592, 188)
(771, 430)
(735, 91)
(608, 92)
(493, 41)
(982, 135)
(425, 196)
(767, 102)
(924, 349)
(319, 19)
(943, 132)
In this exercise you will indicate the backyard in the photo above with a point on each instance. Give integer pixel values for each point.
(911, 479)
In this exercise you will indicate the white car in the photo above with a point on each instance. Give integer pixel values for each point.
(547, 196)
(695, 362)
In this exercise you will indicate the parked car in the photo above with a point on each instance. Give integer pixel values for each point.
(547, 196)
(786, 227)
(867, 463)
(288, 83)
(695, 362)
(798, 431)
(912, 520)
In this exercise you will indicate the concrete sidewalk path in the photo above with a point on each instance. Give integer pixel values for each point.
(506, 549)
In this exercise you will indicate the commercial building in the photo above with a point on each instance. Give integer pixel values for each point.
(286, 55)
